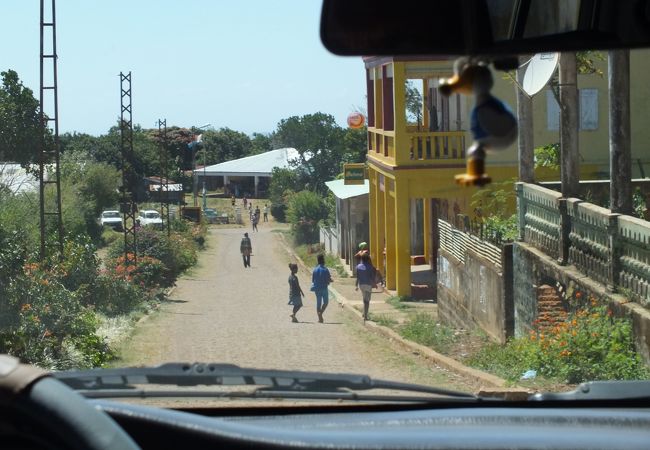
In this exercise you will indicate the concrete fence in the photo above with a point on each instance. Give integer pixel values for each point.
(609, 248)
(330, 239)
(474, 283)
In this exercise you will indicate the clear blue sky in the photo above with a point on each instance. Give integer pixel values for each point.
(239, 64)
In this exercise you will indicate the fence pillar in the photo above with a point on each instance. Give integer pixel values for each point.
(508, 290)
(615, 245)
(565, 231)
(521, 210)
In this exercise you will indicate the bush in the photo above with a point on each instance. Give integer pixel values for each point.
(115, 294)
(305, 210)
(591, 344)
(177, 252)
(279, 211)
(45, 324)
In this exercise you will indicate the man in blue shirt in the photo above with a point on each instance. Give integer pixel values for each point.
(320, 279)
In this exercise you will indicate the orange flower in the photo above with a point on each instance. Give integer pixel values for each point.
(26, 307)
(578, 295)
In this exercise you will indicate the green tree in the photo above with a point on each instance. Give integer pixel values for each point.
(224, 145)
(305, 210)
(319, 141)
(284, 182)
(261, 143)
(355, 142)
(413, 103)
(19, 121)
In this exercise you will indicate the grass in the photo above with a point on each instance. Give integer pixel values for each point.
(424, 329)
(383, 320)
(306, 253)
(397, 302)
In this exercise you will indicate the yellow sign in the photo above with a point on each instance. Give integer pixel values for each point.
(354, 173)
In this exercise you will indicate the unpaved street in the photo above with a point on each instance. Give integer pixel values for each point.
(222, 312)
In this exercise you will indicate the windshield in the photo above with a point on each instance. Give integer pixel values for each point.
(343, 243)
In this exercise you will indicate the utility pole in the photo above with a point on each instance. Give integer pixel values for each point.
(164, 174)
(525, 129)
(569, 156)
(620, 158)
(49, 151)
(128, 207)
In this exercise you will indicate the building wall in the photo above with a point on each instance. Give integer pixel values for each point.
(593, 144)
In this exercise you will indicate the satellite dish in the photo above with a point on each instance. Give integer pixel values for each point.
(539, 71)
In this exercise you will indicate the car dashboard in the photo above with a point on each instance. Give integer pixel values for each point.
(502, 426)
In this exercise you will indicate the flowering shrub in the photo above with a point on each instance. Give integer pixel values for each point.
(591, 344)
(44, 323)
(176, 252)
(115, 294)
(149, 273)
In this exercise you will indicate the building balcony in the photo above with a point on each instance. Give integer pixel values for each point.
(416, 148)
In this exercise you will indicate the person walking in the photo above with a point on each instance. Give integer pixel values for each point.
(245, 202)
(295, 291)
(266, 213)
(366, 279)
(255, 219)
(257, 213)
(246, 248)
(320, 279)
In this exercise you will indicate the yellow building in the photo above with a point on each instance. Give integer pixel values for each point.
(412, 158)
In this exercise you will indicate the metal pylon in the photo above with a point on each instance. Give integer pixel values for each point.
(164, 174)
(49, 142)
(129, 180)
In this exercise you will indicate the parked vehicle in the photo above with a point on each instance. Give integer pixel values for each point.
(150, 217)
(112, 219)
(211, 215)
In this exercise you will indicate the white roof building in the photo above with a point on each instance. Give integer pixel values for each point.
(16, 179)
(255, 166)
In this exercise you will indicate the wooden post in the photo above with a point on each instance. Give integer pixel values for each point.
(569, 169)
(525, 132)
(620, 160)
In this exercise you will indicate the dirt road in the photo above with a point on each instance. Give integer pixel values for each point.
(223, 312)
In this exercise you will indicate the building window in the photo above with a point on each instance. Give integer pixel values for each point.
(588, 110)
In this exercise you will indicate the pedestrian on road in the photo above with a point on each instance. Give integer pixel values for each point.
(320, 279)
(366, 276)
(295, 291)
(246, 248)
(255, 220)
(266, 213)
(257, 213)
(245, 202)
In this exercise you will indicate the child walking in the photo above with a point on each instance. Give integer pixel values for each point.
(295, 292)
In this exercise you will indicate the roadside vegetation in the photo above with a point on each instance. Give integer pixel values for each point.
(591, 343)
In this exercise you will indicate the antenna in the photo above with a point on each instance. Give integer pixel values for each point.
(540, 69)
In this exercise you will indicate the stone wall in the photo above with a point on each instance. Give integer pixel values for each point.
(533, 269)
(474, 294)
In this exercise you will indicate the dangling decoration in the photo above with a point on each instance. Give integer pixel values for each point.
(493, 125)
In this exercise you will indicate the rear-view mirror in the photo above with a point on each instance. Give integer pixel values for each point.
(482, 27)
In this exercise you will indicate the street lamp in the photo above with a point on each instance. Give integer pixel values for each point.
(195, 181)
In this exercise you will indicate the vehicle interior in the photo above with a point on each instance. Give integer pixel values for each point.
(99, 408)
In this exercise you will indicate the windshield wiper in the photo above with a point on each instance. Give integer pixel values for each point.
(601, 390)
(128, 382)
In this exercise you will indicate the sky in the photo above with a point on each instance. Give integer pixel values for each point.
(244, 64)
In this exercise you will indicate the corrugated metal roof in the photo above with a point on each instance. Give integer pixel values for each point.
(261, 164)
(343, 191)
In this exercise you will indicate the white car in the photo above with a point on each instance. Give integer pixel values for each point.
(111, 219)
(150, 217)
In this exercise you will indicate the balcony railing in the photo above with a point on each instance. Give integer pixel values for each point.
(437, 145)
(417, 147)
